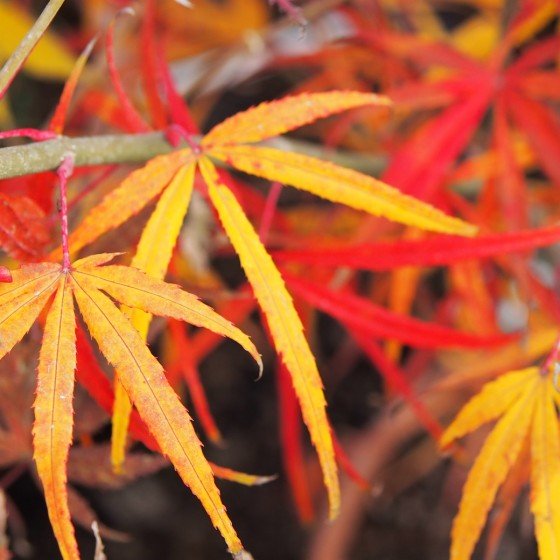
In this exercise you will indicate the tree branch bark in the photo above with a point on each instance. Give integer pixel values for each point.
(110, 149)
(92, 150)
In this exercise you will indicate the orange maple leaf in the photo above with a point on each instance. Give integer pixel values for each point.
(229, 142)
(89, 282)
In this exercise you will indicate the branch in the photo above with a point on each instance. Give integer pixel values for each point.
(92, 150)
(138, 148)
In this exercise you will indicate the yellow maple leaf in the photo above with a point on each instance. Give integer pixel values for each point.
(524, 402)
(545, 473)
(229, 142)
(152, 256)
(89, 282)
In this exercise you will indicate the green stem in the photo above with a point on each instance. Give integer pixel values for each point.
(138, 148)
(9, 70)
(94, 150)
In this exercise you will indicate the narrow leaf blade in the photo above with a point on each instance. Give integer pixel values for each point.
(494, 399)
(160, 234)
(95, 260)
(276, 117)
(59, 117)
(492, 465)
(52, 430)
(542, 128)
(152, 256)
(377, 321)
(341, 185)
(284, 323)
(435, 251)
(134, 120)
(396, 379)
(182, 344)
(28, 279)
(246, 479)
(293, 453)
(144, 380)
(120, 421)
(135, 192)
(421, 164)
(135, 289)
(18, 313)
(545, 473)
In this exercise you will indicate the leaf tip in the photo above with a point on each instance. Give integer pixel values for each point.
(470, 230)
(215, 436)
(126, 11)
(381, 100)
(265, 479)
(242, 555)
(448, 441)
(99, 553)
(6, 276)
(89, 47)
(445, 443)
(258, 359)
(334, 510)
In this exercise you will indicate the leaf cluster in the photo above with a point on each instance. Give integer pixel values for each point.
(441, 271)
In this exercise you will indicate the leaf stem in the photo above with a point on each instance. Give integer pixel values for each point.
(269, 209)
(64, 172)
(18, 57)
(33, 133)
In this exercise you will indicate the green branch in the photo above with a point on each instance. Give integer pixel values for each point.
(27, 159)
(92, 150)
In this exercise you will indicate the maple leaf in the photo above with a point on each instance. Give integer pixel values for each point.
(89, 282)
(459, 83)
(524, 402)
(152, 256)
(230, 142)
